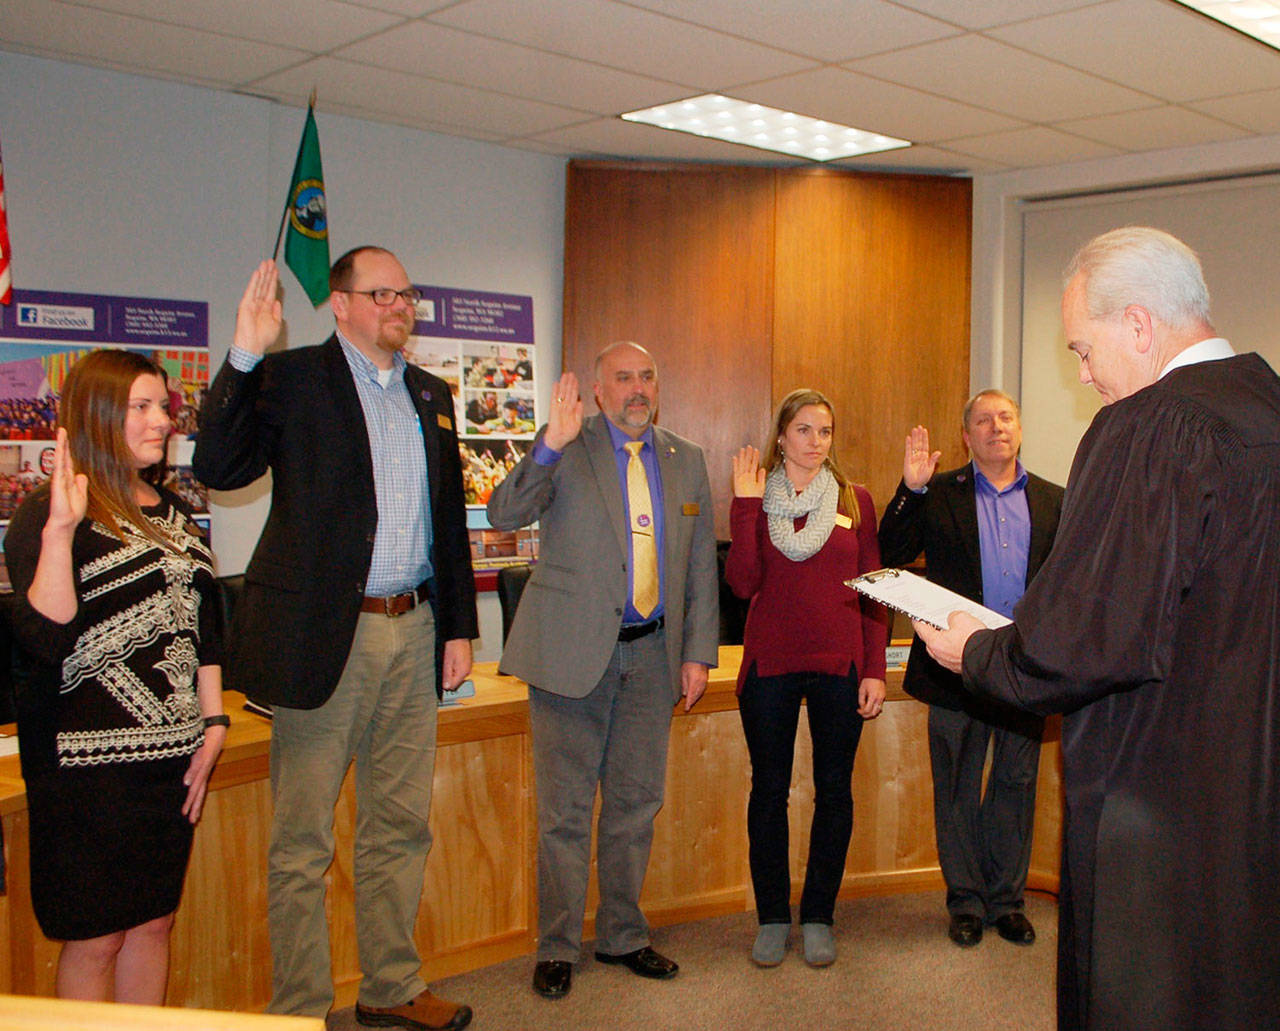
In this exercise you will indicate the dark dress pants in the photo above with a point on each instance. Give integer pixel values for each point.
(770, 710)
(984, 838)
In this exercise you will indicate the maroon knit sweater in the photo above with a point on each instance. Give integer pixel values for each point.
(803, 619)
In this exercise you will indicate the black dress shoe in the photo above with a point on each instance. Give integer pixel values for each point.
(552, 978)
(644, 962)
(1016, 928)
(965, 930)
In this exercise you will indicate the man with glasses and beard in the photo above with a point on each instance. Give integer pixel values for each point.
(358, 611)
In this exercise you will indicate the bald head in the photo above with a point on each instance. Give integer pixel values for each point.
(626, 386)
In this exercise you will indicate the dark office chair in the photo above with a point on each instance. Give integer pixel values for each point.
(230, 590)
(511, 581)
(8, 709)
(733, 610)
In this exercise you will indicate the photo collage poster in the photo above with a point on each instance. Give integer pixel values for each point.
(482, 345)
(43, 334)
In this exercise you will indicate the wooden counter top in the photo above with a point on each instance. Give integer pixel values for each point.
(479, 892)
(499, 707)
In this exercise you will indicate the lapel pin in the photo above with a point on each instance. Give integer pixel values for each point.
(426, 395)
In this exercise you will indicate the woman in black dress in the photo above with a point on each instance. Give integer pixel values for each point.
(119, 684)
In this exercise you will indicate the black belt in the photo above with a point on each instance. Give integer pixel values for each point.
(638, 630)
(397, 604)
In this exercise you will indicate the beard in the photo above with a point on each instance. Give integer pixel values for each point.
(637, 412)
(393, 334)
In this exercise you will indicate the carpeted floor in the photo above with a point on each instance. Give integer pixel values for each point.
(897, 971)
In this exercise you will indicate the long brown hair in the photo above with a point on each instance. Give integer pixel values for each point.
(94, 403)
(786, 413)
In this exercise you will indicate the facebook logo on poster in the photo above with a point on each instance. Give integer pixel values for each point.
(56, 316)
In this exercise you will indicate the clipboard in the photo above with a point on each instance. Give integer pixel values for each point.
(904, 591)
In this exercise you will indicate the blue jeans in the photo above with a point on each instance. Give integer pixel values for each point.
(770, 710)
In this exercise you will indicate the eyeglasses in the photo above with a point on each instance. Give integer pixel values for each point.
(384, 296)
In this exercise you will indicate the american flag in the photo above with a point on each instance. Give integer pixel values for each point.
(6, 282)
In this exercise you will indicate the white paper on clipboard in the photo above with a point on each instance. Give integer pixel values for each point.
(920, 599)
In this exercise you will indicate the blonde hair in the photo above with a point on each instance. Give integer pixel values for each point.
(788, 409)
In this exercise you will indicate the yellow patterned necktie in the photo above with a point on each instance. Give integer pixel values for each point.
(644, 548)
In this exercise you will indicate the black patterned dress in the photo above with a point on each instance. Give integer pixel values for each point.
(108, 716)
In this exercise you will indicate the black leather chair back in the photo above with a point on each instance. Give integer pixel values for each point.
(733, 610)
(511, 581)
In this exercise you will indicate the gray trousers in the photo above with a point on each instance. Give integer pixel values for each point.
(984, 839)
(382, 714)
(616, 738)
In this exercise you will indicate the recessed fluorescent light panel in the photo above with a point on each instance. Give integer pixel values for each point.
(1257, 18)
(754, 125)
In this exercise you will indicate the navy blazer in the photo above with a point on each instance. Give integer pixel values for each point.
(298, 414)
(943, 523)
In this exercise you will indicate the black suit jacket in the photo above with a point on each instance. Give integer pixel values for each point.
(943, 523)
(298, 414)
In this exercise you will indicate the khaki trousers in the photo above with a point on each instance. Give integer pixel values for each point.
(382, 714)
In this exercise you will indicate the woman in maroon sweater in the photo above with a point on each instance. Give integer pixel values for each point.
(800, 528)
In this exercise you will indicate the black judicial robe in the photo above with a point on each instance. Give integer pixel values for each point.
(1155, 626)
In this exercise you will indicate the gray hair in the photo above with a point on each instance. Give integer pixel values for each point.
(1143, 266)
(989, 392)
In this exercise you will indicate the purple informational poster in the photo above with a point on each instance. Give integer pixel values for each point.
(42, 335)
(102, 319)
(481, 344)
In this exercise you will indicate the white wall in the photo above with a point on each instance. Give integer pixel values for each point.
(997, 347)
(996, 314)
(119, 184)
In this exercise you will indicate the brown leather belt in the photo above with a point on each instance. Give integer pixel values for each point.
(396, 604)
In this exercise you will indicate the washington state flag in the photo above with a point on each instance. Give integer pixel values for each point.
(306, 242)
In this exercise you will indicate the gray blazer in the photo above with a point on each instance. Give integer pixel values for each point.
(567, 624)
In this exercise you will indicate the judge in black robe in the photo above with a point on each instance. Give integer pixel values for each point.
(1155, 627)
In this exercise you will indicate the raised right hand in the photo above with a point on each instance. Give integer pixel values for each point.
(919, 463)
(565, 422)
(68, 490)
(258, 318)
(748, 477)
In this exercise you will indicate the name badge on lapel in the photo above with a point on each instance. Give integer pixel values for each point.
(692, 508)
(844, 521)
(444, 421)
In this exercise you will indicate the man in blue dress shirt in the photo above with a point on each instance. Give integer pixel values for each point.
(606, 647)
(985, 528)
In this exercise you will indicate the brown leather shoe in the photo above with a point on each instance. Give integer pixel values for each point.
(424, 1012)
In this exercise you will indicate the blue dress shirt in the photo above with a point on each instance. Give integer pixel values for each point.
(1004, 539)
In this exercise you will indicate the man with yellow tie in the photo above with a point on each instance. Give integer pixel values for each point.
(619, 620)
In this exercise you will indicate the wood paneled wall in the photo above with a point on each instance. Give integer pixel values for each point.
(748, 282)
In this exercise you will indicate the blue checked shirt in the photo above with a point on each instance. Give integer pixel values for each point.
(402, 542)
